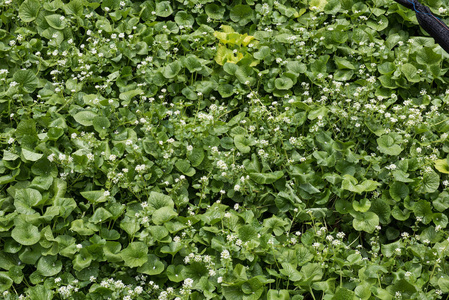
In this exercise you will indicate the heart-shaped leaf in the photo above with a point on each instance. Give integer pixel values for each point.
(135, 255)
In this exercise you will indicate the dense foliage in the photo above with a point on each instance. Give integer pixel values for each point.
(206, 149)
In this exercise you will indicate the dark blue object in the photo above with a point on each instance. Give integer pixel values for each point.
(430, 23)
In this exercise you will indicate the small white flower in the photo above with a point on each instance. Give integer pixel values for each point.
(225, 254)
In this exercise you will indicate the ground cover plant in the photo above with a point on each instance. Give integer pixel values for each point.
(206, 149)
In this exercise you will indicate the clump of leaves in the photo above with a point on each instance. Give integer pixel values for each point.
(244, 150)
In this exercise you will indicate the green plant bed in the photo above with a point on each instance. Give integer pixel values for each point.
(222, 150)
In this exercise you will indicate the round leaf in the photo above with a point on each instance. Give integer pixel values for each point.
(153, 266)
(85, 117)
(283, 83)
(241, 14)
(172, 69)
(215, 11)
(192, 63)
(226, 90)
(49, 265)
(26, 79)
(158, 200)
(26, 234)
(183, 18)
(442, 165)
(5, 281)
(101, 124)
(56, 21)
(430, 182)
(387, 145)
(365, 221)
(163, 9)
(247, 232)
(29, 10)
(25, 199)
(135, 255)
(163, 215)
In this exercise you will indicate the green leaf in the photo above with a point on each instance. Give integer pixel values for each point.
(243, 143)
(81, 228)
(100, 215)
(94, 196)
(401, 176)
(9, 156)
(362, 291)
(343, 294)
(175, 273)
(214, 11)
(158, 200)
(5, 281)
(241, 14)
(135, 255)
(82, 260)
(317, 4)
(101, 124)
(290, 271)
(247, 232)
(427, 56)
(410, 72)
(26, 79)
(441, 203)
(183, 18)
(400, 215)
(26, 234)
(283, 83)
(172, 248)
(184, 167)
(311, 272)
(163, 215)
(343, 63)
(398, 191)
(56, 21)
(266, 178)
(49, 265)
(362, 206)
(430, 182)
(172, 69)
(25, 199)
(163, 9)
(278, 295)
(443, 283)
(30, 155)
(226, 90)
(423, 209)
(365, 221)
(442, 165)
(40, 292)
(153, 266)
(196, 156)
(350, 183)
(386, 68)
(192, 63)
(382, 209)
(85, 117)
(53, 6)
(128, 95)
(29, 10)
(111, 251)
(387, 145)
